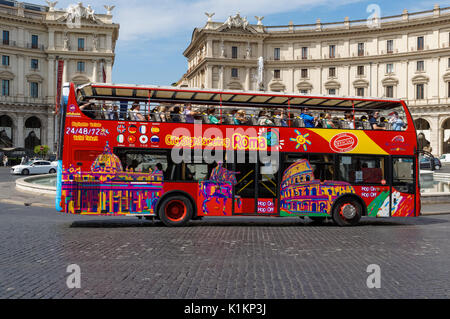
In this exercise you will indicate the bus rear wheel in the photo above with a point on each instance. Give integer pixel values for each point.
(175, 211)
(347, 212)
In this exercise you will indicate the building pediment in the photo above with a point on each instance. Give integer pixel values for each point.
(80, 79)
(305, 85)
(34, 78)
(390, 81)
(332, 85)
(237, 24)
(361, 83)
(277, 86)
(6, 75)
(234, 85)
(420, 79)
(446, 77)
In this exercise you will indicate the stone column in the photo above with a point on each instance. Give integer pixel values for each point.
(435, 135)
(20, 76)
(20, 130)
(108, 70)
(94, 71)
(221, 77)
(50, 130)
(51, 77)
(51, 40)
(209, 49)
(247, 79)
(66, 71)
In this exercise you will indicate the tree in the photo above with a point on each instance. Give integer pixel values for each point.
(41, 150)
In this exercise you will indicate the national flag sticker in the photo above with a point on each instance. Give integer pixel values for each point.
(143, 139)
(121, 128)
(132, 129)
(143, 129)
(120, 139)
(131, 139)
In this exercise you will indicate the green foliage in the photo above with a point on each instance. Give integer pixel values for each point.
(42, 150)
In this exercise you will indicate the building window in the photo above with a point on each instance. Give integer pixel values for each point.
(389, 68)
(234, 73)
(332, 51)
(80, 66)
(420, 43)
(34, 64)
(304, 53)
(332, 72)
(5, 37)
(389, 91)
(277, 54)
(360, 49)
(34, 41)
(390, 46)
(34, 89)
(80, 44)
(277, 74)
(331, 91)
(304, 73)
(420, 66)
(360, 91)
(448, 84)
(360, 70)
(5, 60)
(306, 91)
(5, 87)
(420, 91)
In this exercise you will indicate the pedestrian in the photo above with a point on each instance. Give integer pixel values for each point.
(5, 160)
(22, 161)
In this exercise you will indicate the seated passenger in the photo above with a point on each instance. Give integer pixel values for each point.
(307, 118)
(187, 112)
(212, 119)
(320, 120)
(328, 122)
(135, 115)
(263, 119)
(239, 118)
(396, 122)
(175, 115)
(373, 120)
(88, 110)
(349, 121)
(160, 114)
(281, 116)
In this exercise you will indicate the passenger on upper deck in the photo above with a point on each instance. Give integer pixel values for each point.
(175, 115)
(349, 120)
(88, 110)
(239, 118)
(281, 116)
(396, 122)
(307, 118)
(211, 117)
(373, 120)
(328, 122)
(187, 112)
(135, 115)
(263, 119)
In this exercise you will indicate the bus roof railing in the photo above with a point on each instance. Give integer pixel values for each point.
(162, 94)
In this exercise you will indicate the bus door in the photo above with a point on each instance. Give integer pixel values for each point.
(267, 186)
(244, 193)
(256, 191)
(403, 194)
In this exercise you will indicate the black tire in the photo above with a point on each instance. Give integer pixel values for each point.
(347, 212)
(52, 171)
(175, 211)
(25, 172)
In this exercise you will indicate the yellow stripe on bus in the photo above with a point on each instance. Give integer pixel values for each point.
(365, 144)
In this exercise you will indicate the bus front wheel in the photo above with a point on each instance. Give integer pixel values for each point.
(175, 211)
(347, 212)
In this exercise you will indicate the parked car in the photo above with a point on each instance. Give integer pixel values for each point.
(445, 158)
(428, 161)
(34, 167)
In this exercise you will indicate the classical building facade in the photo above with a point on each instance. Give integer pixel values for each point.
(32, 40)
(405, 56)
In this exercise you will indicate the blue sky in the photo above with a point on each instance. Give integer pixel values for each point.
(154, 34)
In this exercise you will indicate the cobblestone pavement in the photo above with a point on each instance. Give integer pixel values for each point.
(220, 258)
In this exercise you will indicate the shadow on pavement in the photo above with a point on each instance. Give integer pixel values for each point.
(263, 222)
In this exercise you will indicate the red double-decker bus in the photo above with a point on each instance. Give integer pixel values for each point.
(179, 154)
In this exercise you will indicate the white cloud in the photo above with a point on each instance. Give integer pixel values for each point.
(157, 19)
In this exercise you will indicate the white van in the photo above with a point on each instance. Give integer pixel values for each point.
(445, 158)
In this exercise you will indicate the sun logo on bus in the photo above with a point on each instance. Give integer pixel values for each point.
(302, 140)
